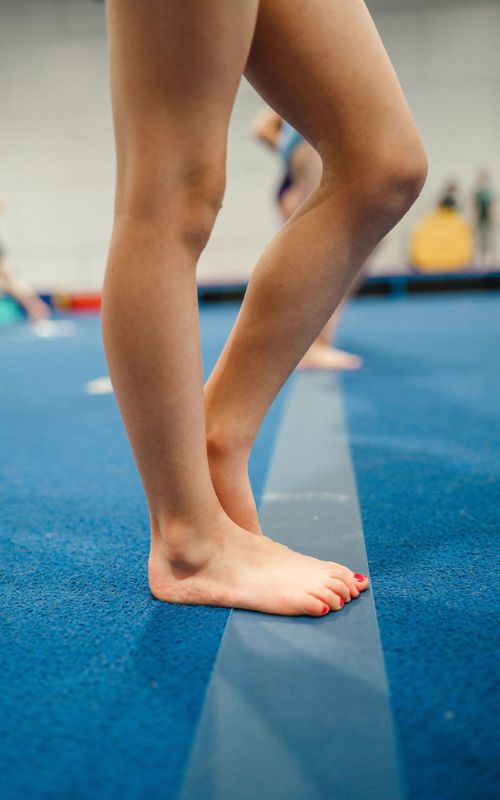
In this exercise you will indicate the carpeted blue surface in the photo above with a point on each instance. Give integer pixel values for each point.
(425, 436)
(101, 685)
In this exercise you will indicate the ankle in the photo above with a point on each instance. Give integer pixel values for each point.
(189, 540)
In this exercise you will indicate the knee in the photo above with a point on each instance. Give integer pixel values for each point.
(402, 174)
(197, 199)
(393, 181)
(177, 201)
(380, 182)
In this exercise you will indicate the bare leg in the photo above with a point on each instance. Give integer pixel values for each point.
(175, 68)
(306, 169)
(324, 355)
(330, 329)
(323, 67)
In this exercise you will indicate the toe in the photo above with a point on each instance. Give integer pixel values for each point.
(345, 576)
(339, 571)
(314, 606)
(339, 587)
(334, 601)
(352, 585)
(361, 581)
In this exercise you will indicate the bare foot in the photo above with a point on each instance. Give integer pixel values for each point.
(227, 567)
(323, 356)
(229, 471)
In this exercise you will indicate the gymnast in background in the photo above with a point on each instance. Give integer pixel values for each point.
(18, 289)
(484, 215)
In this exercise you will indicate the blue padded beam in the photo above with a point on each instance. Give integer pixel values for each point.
(297, 708)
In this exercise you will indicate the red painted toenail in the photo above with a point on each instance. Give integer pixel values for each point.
(325, 610)
(342, 601)
(360, 578)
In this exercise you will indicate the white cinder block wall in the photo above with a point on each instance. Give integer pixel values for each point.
(56, 157)
(56, 153)
(447, 57)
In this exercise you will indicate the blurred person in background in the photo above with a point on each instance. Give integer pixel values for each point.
(302, 174)
(20, 290)
(483, 203)
(450, 196)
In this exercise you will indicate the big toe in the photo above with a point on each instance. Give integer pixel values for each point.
(362, 581)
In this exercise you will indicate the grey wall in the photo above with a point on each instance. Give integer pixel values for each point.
(447, 57)
(56, 154)
(56, 158)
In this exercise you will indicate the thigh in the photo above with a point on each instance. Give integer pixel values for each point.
(322, 66)
(175, 67)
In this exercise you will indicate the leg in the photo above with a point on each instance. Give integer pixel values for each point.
(306, 170)
(173, 90)
(323, 67)
(323, 355)
(22, 292)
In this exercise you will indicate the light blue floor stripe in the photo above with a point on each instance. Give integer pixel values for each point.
(297, 709)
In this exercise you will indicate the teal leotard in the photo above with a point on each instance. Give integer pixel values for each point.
(288, 142)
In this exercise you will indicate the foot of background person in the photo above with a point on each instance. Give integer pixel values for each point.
(224, 566)
(325, 357)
